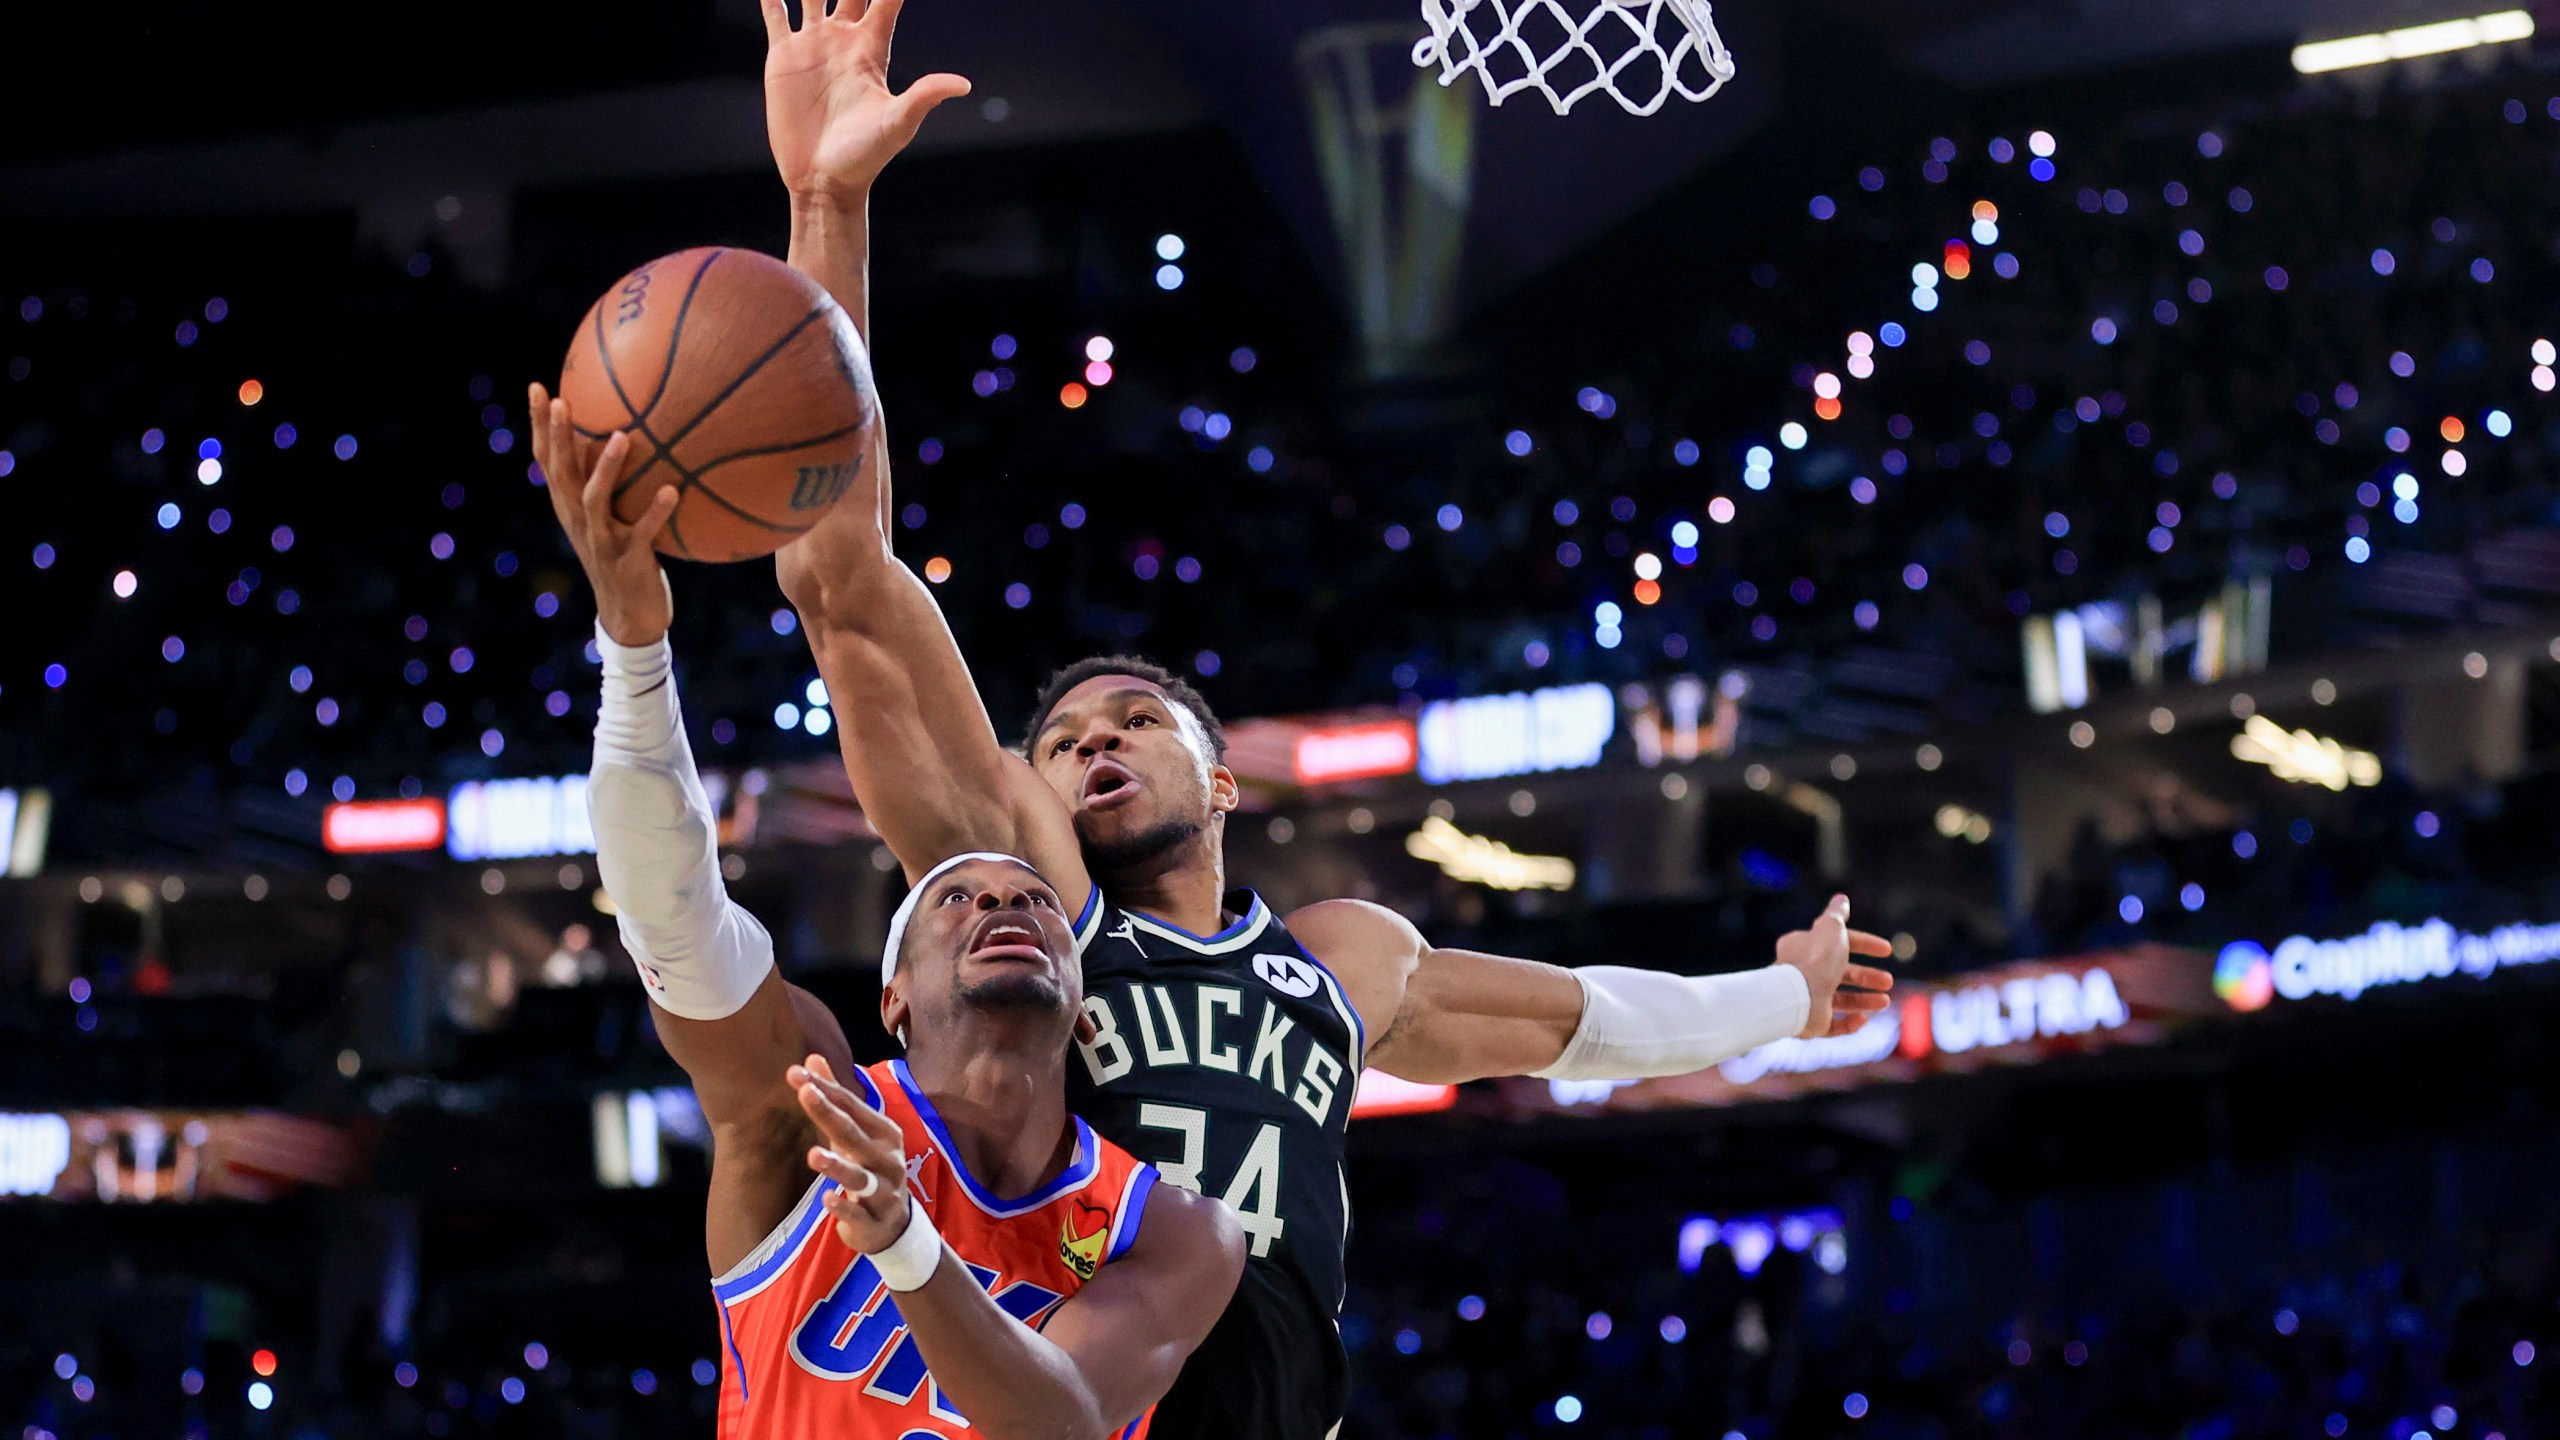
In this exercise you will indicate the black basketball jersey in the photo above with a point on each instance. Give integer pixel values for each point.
(1228, 1062)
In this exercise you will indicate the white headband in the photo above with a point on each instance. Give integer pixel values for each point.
(915, 897)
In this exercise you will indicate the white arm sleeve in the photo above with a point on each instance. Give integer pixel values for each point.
(1642, 1023)
(657, 846)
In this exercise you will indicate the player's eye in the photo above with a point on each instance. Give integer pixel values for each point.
(1061, 745)
(954, 894)
(1141, 717)
(1043, 901)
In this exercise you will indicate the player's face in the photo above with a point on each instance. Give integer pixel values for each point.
(990, 935)
(1134, 767)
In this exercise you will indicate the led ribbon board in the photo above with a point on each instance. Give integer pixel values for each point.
(2013, 1015)
(2248, 976)
(362, 827)
(1486, 737)
(145, 1157)
(518, 819)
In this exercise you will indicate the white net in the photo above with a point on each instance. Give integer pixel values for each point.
(1641, 52)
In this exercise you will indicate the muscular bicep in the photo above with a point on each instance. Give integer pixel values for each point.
(1470, 1016)
(1131, 1327)
(758, 1132)
(1438, 1015)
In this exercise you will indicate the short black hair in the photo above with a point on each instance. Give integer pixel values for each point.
(1179, 690)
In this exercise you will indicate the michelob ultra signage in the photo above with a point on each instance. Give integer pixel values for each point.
(2012, 1015)
(2249, 976)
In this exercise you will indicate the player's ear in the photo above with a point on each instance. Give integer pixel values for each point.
(893, 1013)
(1224, 795)
(1086, 1031)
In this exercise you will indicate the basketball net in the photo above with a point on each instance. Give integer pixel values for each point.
(1641, 52)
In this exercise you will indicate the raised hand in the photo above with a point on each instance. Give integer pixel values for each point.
(863, 1153)
(833, 120)
(633, 603)
(1844, 994)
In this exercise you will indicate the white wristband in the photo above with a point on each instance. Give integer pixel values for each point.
(912, 1258)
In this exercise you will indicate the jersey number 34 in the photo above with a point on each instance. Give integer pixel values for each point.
(1253, 1193)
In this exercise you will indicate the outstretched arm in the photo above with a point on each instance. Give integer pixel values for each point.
(1095, 1364)
(1454, 1015)
(924, 759)
(721, 1007)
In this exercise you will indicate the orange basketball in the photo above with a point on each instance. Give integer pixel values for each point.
(742, 384)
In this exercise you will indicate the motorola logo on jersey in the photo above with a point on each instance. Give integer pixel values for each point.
(1287, 974)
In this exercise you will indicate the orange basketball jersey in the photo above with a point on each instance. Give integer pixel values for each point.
(814, 1344)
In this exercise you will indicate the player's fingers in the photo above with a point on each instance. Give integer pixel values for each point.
(1867, 977)
(1874, 946)
(597, 498)
(839, 1127)
(859, 1181)
(662, 508)
(1838, 909)
(1862, 1001)
(777, 21)
(918, 100)
(559, 461)
(864, 1120)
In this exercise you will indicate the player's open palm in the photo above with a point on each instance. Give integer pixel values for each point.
(860, 1149)
(834, 122)
(633, 603)
(1845, 994)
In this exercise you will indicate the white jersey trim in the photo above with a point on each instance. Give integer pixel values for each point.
(1243, 932)
(773, 1255)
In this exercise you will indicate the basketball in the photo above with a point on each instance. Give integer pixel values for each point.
(741, 382)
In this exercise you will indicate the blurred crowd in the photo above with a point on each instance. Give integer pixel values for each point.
(280, 549)
(2293, 339)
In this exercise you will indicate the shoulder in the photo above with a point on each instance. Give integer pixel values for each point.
(1189, 1234)
(1370, 948)
(1356, 937)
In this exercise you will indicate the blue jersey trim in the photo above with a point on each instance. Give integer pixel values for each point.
(1133, 1211)
(729, 1337)
(1359, 1023)
(1252, 915)
(870, 1092)
(1089, 919)
(812, 1210)
(1079, 1172)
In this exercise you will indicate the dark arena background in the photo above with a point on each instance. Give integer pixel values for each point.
(2077, 477)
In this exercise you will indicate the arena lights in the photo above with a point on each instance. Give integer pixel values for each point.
(365, 827)
(1481, 861)
(1955, 822)
(26, 827)
(629, 1150)
(1488, 736)
(1752, 1239)
(2304, 758)
(1380, 1093)
(34, 1151)
(1354, 752)
(2354, 51)
(518, 819)
(2248, 976)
